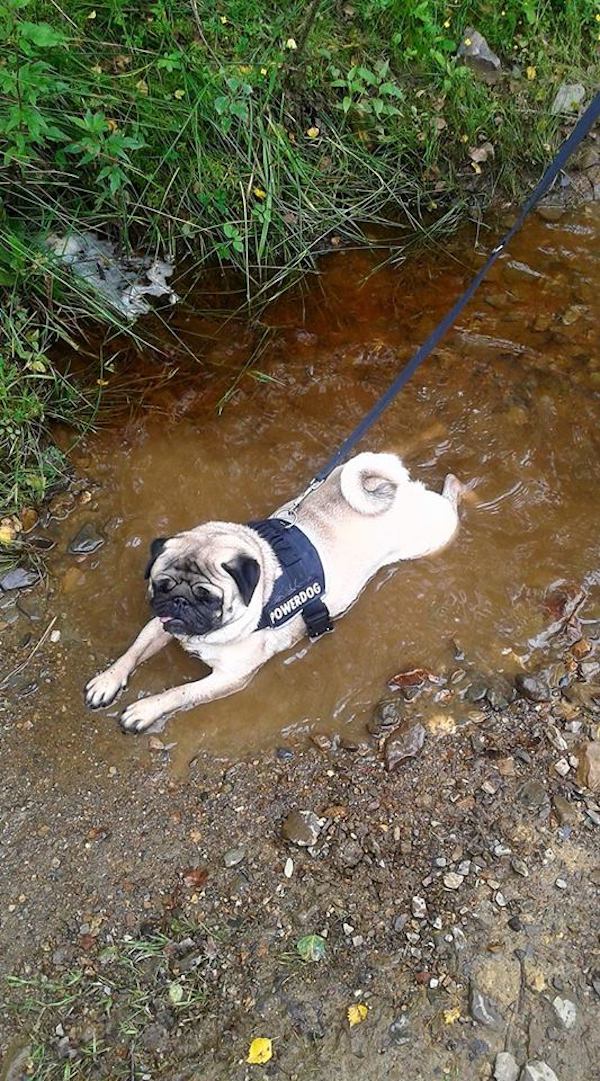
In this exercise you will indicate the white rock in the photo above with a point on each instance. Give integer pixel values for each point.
(565, 1010)
(452, 881)
(568, 98)
(537, 1071)
(419, 908)
(562, 767)
(505, 1067)
(288, 870)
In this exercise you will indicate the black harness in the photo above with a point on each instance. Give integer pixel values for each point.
(301, 584)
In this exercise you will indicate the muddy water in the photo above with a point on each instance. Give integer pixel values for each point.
(510, 401)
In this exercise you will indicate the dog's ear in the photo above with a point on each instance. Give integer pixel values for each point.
(245, 572)
(156, 548)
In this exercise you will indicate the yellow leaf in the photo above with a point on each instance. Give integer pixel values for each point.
(259, 193)
(7, 534)
(92, 15)
(112, 125)
(179, 94)
(476, 167)
(224, 19)
(313, 133)
(468, 41)
(96, 70)
(245, 70)
(531, 72)
(357, 1014)
(264, 71)
(446, 24)
(291, 44)
(450, 1016)
(260, 1051)
(142, 86)
(102, 382)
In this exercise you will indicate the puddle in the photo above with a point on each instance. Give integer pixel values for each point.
(510, 401)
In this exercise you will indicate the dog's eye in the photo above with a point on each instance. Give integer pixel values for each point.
(164, 585)
(200, 593)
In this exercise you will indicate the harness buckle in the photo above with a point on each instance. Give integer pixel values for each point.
(317, 619)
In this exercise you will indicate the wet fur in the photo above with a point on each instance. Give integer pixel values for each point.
(208, 585)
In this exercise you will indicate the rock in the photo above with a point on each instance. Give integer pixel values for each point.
(155, 1038)
(569, 97)
(533, 795)
(402, 745)
(476, 691)
(350, 853)
(505, 1067)
(453, 881)
(566, 812)
(19, 578)
(565, 1010)
(400, 1029)
(532, 688)
(32, 607)
(483, 1010)
(537, 1071)
(477, 55)
(498, 978)
(419, 908)
(519, 867)
(515, 924)
(588, 770)
(302, 828)
(548, 212)
(386, 717)
(562, 767)
(233, 856)
(86, 541)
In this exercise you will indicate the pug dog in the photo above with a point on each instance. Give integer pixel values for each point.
(235, 595)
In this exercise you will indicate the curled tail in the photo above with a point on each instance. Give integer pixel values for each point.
(369, 481)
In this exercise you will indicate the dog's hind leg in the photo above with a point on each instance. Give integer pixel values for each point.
(104, 688)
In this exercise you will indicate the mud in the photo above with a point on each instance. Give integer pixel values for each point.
(458, 887)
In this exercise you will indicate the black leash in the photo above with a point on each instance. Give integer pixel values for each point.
(570, 144)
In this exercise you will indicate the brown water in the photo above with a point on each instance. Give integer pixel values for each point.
(510, 400)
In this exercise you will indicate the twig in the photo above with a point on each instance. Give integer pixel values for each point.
(23, 665)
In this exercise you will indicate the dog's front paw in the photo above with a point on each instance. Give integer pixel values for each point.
(104, 688)
(141, 715)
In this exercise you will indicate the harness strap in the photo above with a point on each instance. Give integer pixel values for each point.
(299, 588)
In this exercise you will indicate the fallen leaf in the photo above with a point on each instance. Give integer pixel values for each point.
(313, 133)
(195, 877)
(175, 993)
(179, 94)
(413, 677)
(480, 154)
(142, 86)
(7, 534)
(451, 1016)
(357, 1014)
(259, 193)
(291, 44)
(531, 72)
(311, 947)
(439, 123)
(260, 1051)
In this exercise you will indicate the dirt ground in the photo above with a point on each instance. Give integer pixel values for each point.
(150, 921)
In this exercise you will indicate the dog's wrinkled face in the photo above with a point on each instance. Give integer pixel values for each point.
(197, 585)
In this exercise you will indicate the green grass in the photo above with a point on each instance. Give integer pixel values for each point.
(197, 130)
(103, 1009)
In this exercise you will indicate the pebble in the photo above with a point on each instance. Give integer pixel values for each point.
(566, 812)
(403, 745)
(533, 795)
(419, 908)
(452, 880)
(505, 1067)
(537, 1071)
(233, 856)
(532, 688)
(519, 867)
(19, 578)
(284, 754)
(560, 884)
(87, 540)
(562, 767)
(288, 869)
(565, 1010)
(500, 899)
(386, 716)
(483, 1010)
(302, 828)
(515, 923)
(588, 770)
